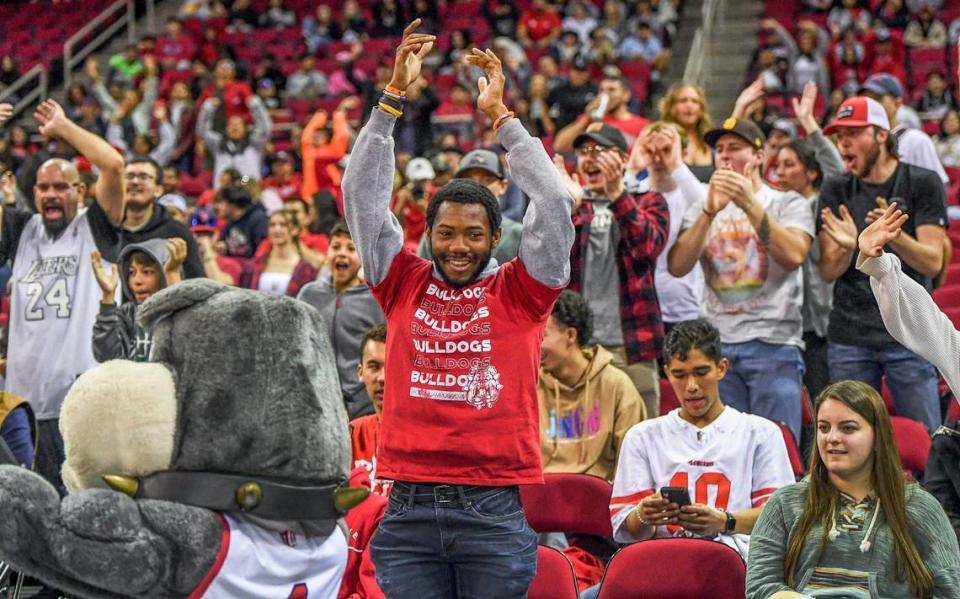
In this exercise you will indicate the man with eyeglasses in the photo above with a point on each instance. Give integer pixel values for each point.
(620, 233)
(54, 294)
(144, 219)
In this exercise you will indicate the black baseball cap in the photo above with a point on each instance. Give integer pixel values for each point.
(482, 159)
(607, 136)
(744, 128)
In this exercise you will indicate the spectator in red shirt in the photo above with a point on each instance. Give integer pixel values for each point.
(233, 94)
(617, 114)
(539, 25)
(175, 47)
(283, 180)
(460, 412)
(365, 430)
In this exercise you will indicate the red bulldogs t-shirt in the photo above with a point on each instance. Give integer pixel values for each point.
(460, 399)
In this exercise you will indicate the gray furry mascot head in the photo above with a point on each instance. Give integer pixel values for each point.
(213, 470)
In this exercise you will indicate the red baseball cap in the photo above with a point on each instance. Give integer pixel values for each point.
(859, 111)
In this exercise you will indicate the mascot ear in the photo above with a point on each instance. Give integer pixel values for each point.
(176, 298)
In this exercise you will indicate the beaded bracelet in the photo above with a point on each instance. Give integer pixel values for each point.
(395, 91)
(502, 119)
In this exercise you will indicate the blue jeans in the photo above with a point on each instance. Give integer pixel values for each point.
(49, 458)
(446, 541)
(764, 379)
(911, 379)
(18, 435)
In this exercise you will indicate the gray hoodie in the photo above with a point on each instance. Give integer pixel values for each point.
(348, 316)
(116, 333)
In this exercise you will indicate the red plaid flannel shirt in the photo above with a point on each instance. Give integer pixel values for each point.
(643, 220)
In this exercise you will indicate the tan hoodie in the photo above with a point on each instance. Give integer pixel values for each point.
(594, 416)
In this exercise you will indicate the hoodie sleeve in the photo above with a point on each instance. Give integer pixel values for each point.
(367, 189)
(547, 226)
(113, 333)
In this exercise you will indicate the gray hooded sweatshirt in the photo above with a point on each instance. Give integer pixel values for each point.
(116, 333)
(348, 316)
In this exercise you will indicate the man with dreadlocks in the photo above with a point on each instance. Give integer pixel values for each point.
(460, 423)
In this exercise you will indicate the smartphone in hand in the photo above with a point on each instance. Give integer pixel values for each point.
(677, 495)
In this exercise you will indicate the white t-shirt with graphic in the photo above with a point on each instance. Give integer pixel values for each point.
(749, 295)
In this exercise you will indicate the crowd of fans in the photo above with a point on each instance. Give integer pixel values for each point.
(724, 263)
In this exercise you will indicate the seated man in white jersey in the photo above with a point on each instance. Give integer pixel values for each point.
(54, 294)
(729, 462)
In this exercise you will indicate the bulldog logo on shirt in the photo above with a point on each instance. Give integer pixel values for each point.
(483, 386)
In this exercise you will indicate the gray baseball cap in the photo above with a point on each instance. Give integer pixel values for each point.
(482, 159)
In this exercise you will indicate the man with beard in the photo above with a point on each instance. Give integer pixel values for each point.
(144, 219)
(460, 412)
(859, 346)
(751, 240)
(620, 234)
(54, 294)
(616, 114)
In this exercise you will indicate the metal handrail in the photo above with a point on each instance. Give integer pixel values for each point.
(39, 91)
(698, 60)
(72, 58)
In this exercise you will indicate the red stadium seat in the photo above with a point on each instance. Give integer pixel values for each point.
(696, 567)
(555, 577)
(947, 297)
(954, 315)
(806, 408)
(953, 410)
(571, 503)
(913, 443)
(668, 399)
(953, 270)
(793, 452)
(887, 396)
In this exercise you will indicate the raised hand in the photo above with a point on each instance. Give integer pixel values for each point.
(842, 229)
(738, 187)
(804, 107)
(51, 117)
(612, 167)
(106, 281)
(93, 69)
(490, 100)
(882, 231)
(177, 248)
(877, 212)
(410, 54)
(748, 96)
(571, 181)
(8, 187)
(716, 199)
(6, 111)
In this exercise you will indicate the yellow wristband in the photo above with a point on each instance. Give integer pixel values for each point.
(390, 110)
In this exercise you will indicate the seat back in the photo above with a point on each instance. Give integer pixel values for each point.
(571, 503)
(555, 577)
(913, 443)
(793, 452)
(675, 569)
(668, 399)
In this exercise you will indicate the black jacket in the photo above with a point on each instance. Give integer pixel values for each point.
(942, 477)
(161, 224)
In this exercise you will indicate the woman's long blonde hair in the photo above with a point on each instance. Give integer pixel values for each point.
(669, 100)
(888, 481)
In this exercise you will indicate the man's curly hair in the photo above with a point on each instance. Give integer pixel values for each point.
(571, 310)
(465, 191)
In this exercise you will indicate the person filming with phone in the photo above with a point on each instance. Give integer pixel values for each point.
(719, 467)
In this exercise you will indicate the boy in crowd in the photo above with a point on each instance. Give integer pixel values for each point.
(146, 268)
(586, 404)
(349, 309)
(728, 462)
